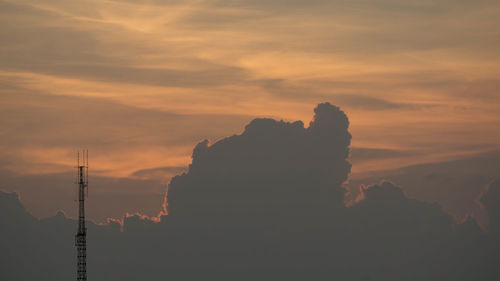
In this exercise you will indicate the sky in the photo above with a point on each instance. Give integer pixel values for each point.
(140, 83)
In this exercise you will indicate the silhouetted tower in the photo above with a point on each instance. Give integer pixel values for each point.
(81, 235)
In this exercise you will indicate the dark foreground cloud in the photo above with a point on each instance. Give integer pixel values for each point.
(456, 184)
(266, 205)
(272, 167)
(490, 199)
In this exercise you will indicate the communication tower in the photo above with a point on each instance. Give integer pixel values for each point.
(81, 235)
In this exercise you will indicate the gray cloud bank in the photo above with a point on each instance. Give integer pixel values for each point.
(267, 204)
(456, 185)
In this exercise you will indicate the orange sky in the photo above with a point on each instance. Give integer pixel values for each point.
(139, 83)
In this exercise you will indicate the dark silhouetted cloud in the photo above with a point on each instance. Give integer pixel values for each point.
(455, 185)
(266, 204)
(272, 167)
(491, 201)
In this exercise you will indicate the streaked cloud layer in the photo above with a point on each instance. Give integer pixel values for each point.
(140, 82)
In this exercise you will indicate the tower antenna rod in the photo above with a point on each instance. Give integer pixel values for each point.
(81, 235)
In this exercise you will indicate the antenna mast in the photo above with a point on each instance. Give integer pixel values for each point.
(81, 235)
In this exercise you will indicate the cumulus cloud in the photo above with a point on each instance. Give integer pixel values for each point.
(9, 205)
(385, 206)
(272, 167)
(454, 184)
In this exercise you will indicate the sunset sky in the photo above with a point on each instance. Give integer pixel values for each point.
(140, 83)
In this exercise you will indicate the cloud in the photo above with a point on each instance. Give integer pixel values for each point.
(295, 90)
(158, 173)
(359, 154)
(387, 204)
(371, 103)
(272, 167)
(491, 201)
(267, 204)
(454, 184)
(10, 204)
(42, 40)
